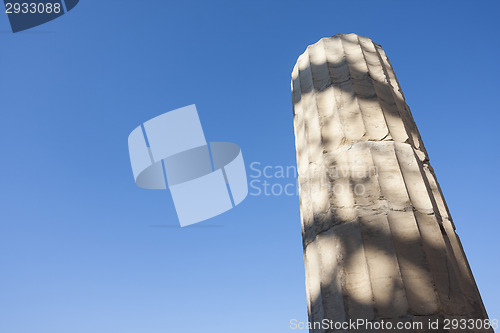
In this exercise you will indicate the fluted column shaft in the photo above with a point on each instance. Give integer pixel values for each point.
(379, 242)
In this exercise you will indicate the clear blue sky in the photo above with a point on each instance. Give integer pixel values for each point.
(83, 249)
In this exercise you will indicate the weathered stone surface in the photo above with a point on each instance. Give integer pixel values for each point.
(379, 242)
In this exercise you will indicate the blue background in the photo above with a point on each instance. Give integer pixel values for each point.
(83, 249)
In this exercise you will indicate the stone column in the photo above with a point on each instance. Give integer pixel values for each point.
(379, 242)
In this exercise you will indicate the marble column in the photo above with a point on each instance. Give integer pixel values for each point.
(379, 241)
